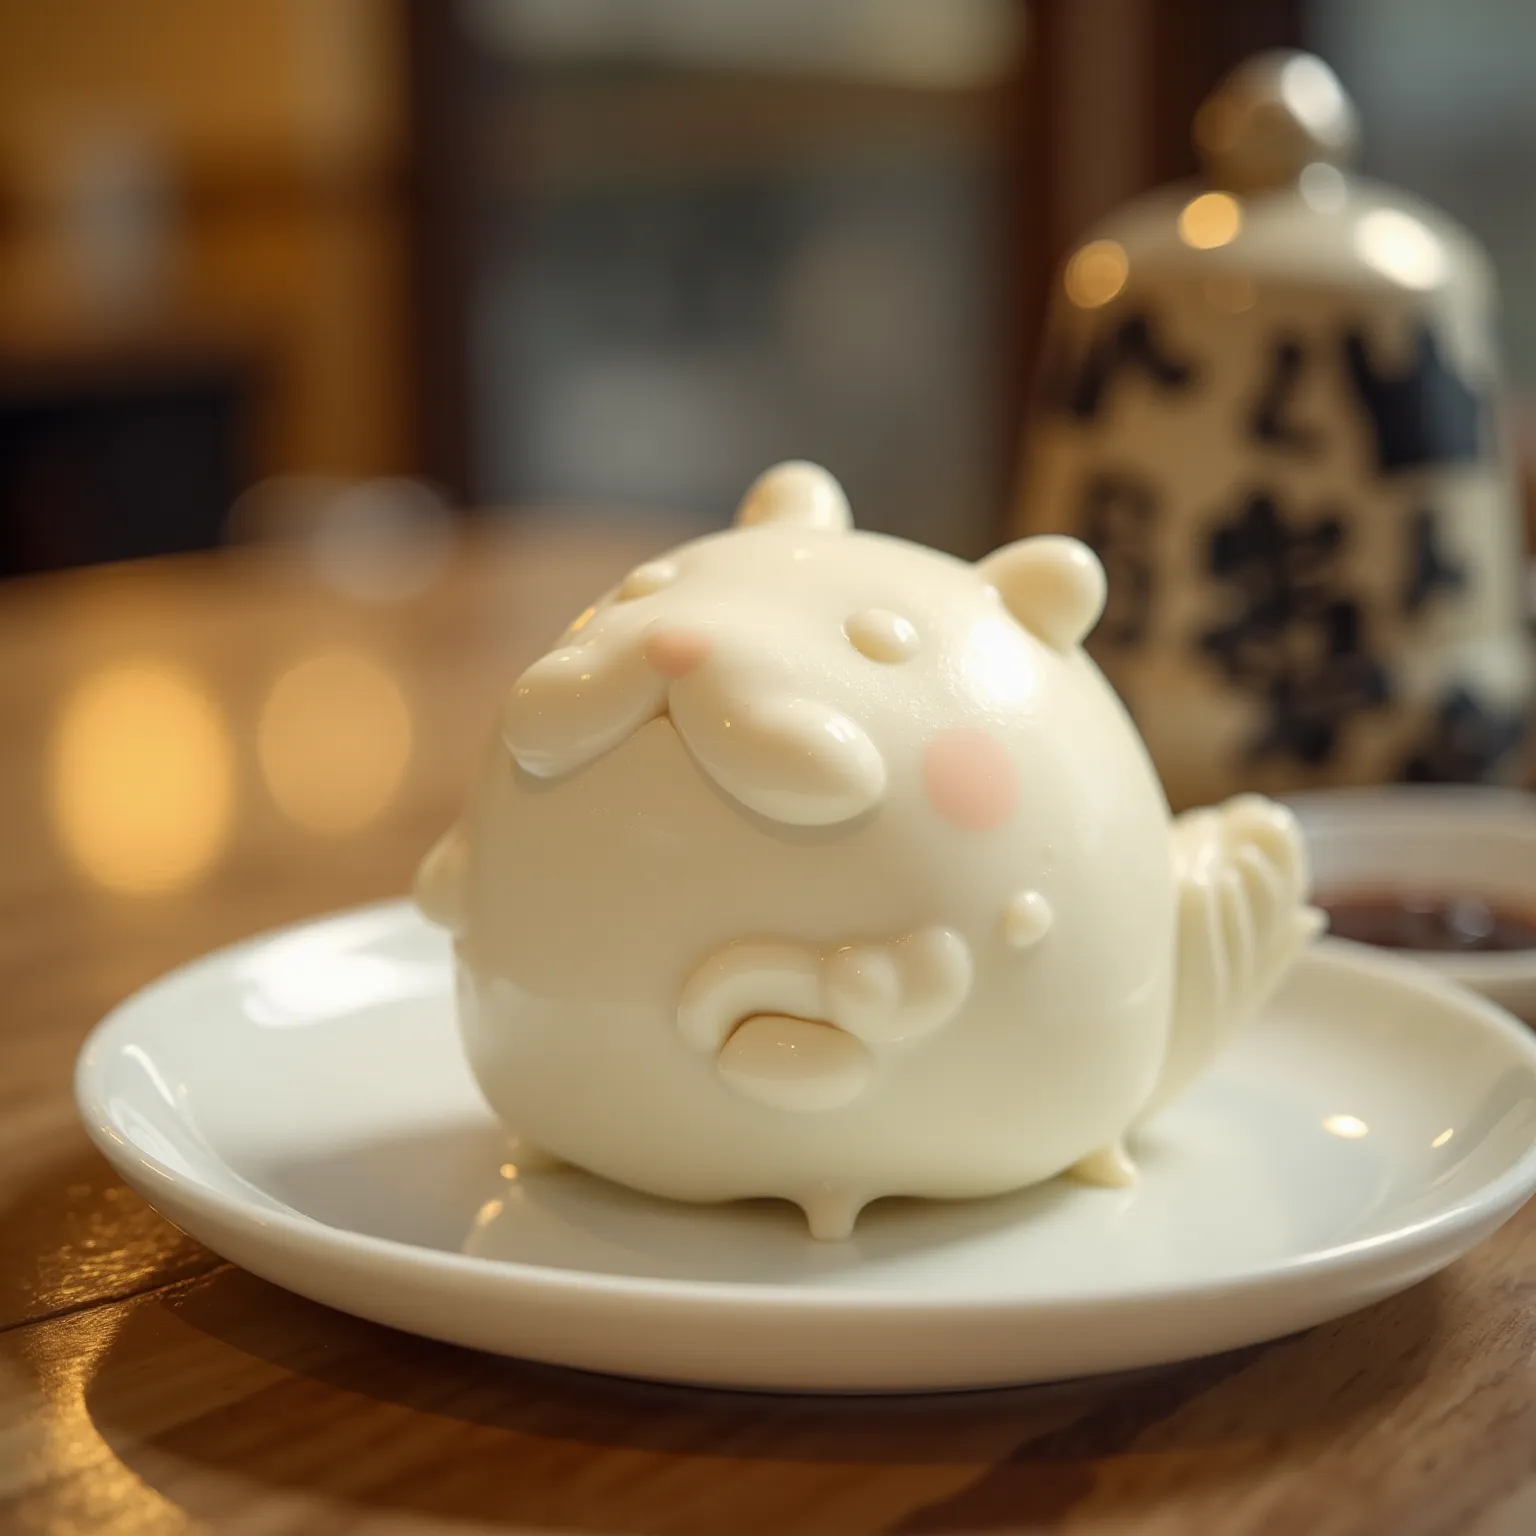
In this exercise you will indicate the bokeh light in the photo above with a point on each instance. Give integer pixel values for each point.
(1349, 1127)
(1312, 92)
(382, 540)
(142, 777)
(1401, 248)
(333, 741)
(1213, 219)
(1096, 273)
(1323, 187)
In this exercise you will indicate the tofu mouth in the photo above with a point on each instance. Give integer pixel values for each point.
(802, 1027)
(801, 1065)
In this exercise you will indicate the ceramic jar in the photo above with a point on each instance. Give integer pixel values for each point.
(1270, 403)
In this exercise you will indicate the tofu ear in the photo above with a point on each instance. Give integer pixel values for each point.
(797, 493)
(1054, 586)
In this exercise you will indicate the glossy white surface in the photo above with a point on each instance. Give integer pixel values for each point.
(1444, 840)
(815, 864)
(299, 1103)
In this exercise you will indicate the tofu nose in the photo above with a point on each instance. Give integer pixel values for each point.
(676, 652)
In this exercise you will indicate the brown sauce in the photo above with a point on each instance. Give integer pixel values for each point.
(1445, 923)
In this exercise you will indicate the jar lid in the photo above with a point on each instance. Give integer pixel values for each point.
(1279, 203)
(1271, 118)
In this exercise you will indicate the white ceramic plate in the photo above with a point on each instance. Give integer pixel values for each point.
(1444, 839)
(299, 1103)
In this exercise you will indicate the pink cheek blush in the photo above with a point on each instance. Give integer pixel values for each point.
(676, 652)
(970, 779)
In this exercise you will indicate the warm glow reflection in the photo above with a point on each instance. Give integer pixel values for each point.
(578, 624)
(64, 1446)
(1096, 273)
(310, 976)
(1312, 92)
(143, 777)
(1350, 1127)
(996, 665)
(1400, 247)
(1210, 220)
(1322, 187)
(1442, 1138)
(333, 741)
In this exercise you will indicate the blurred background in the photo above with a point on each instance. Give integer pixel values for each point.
(416, 255)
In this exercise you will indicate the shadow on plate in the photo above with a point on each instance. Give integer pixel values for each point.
(458, 1188)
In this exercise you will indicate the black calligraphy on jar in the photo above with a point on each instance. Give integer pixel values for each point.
(1296, 636)
(1297, 632)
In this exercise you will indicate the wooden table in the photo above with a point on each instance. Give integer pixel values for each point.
(147, 1386)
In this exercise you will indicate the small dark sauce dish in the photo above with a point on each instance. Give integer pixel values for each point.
(1447, 923)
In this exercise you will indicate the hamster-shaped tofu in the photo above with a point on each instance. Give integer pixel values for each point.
(811, 863)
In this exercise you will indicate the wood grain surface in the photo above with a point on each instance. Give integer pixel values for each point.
(145, 1386)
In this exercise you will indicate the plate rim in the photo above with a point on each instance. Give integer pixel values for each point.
(1490, 1204)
